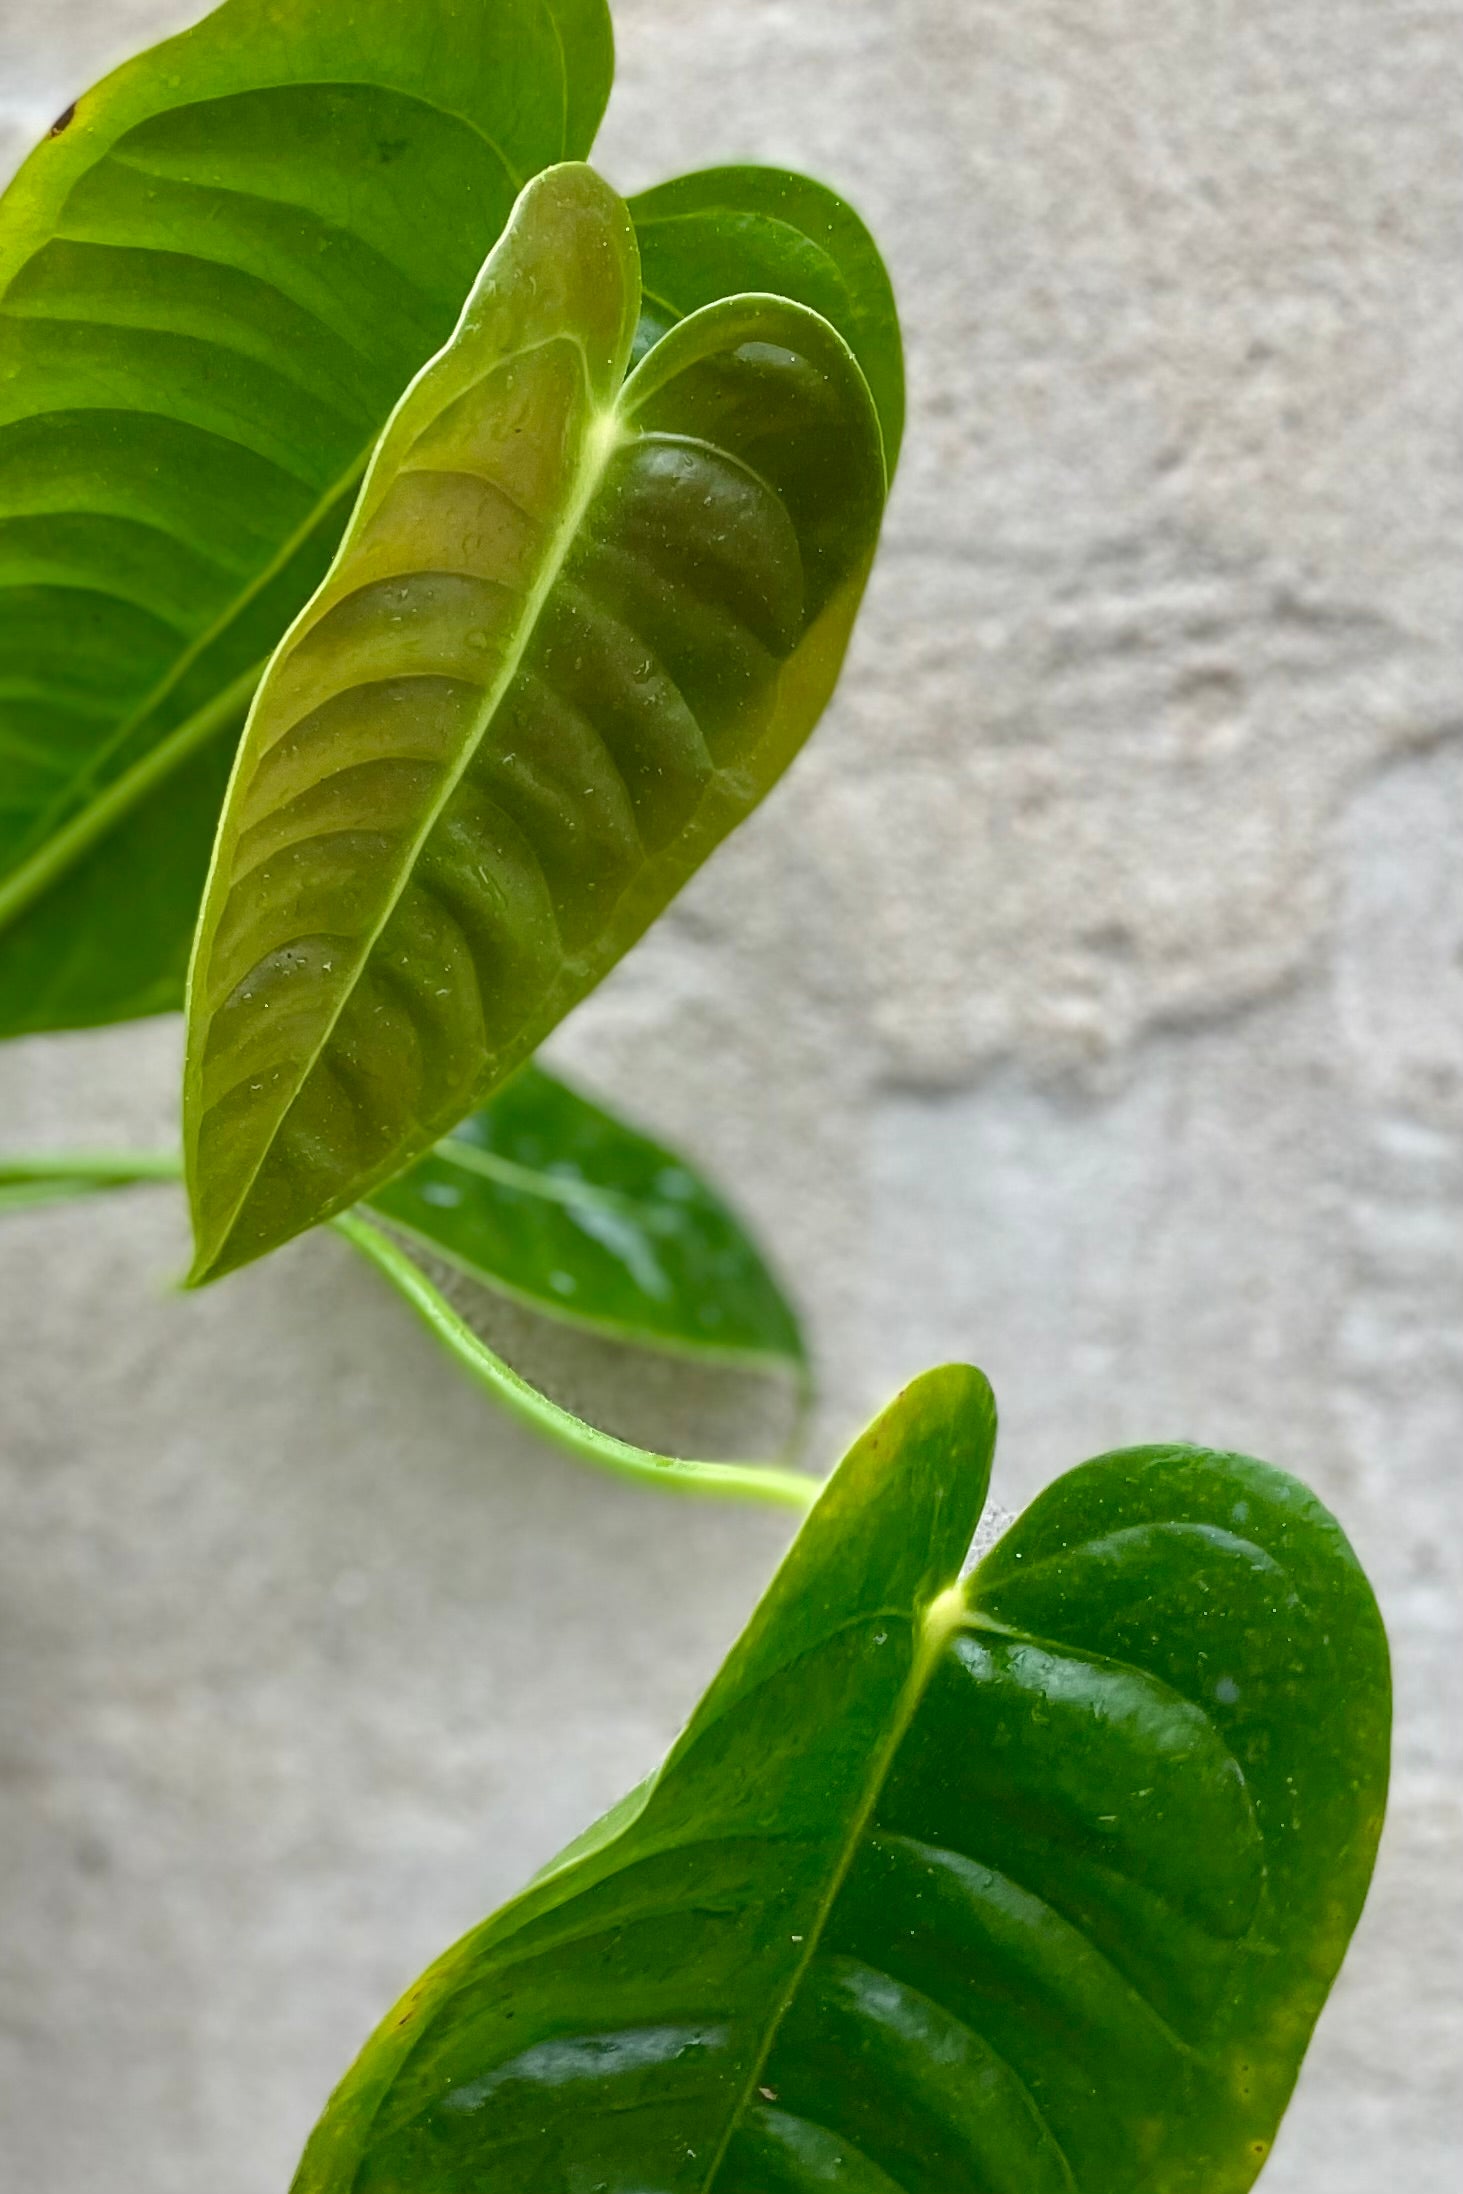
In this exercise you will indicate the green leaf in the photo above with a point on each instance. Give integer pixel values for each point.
(721, 230)
(139, 832)
(1034, 1883)
(545, 1197)
(216, 275)
(578, 626)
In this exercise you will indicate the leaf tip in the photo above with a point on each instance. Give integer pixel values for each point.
(199, 1273)
(958, 1393)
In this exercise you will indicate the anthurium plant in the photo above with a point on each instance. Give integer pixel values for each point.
(414, 560)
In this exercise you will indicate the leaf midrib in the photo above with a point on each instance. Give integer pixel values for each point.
(939, 1620)
(597, 448)
(554, 1188)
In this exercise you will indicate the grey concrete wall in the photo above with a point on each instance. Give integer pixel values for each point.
(1089, 1003)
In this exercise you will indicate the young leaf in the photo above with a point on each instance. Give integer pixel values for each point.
(546, 1197)
(1035, 1882)
(216, 275)
(577, 627)
(721, 230)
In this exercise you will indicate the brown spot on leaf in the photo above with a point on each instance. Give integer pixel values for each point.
(63, 121)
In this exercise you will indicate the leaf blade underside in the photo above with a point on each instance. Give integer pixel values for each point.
(556, 1202)
(1031, 1885)
(214, 283)
(575, 631)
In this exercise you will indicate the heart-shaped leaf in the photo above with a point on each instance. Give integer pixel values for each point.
(1028, 1884)
(577, 627)
(216, 276)
(707, 235)
(547, 1197)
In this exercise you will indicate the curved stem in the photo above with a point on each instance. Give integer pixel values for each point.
(728, 1481)
(53, 1175)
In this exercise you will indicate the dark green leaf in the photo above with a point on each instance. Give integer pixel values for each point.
(214, 281)
(722, 230)
(1030, 1885)
(577, 627)
(546, 1197)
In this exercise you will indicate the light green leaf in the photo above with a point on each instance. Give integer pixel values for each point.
(577, 628)
(545, 1197)
(1033, 1883)
(215, 277)
(721, 230)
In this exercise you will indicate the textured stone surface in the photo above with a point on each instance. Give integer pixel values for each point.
(1089, 1003)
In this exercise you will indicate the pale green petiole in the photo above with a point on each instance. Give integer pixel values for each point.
(728, 1481)
(45, 1178)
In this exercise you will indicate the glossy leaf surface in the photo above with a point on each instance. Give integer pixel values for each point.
(578, 626)
(721, 230)
(1033, 1884)
(216, 276)
(547, 1197)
